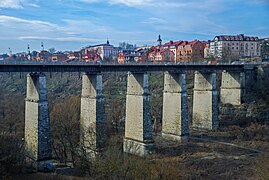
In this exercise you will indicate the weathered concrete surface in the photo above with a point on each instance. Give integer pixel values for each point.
(37, 122)
(138, 128)
(205, 101)
(232, 88)
(138, 148)
(92, 121)
(250, 78)
(175, 108)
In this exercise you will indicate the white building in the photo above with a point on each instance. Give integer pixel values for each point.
(239, 45)
(105, 50)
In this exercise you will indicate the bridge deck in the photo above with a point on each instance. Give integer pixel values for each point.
(95, 68)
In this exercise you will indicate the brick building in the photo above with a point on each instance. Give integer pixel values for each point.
(190, 51)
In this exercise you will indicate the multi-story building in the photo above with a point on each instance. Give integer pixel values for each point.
(172, 46)
(91, 55)
(74, 55)
(141, 53)
(160, 55)
(43, 55)
(238, 46)
(206, 49)
(185, 51)
(190, 51)
(58, 57)
(265, 49)
(105, 51)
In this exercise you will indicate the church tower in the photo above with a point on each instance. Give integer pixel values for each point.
(159, 41)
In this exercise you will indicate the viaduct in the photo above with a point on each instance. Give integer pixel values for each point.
(138, 128)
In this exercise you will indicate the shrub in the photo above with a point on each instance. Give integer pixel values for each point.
(12, 158)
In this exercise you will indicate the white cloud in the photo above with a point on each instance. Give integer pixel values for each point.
(142, 3)
(154, 20)
(13, 22)
(33, 5)
(84, 31)
(131, 2)
(14, 4)
(90, 1)
(61, 39)
(17, 4)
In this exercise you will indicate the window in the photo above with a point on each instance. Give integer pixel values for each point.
(236, 47)
(232, 43)
(232, 47)
(237, 44)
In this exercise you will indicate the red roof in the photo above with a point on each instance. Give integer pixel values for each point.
(193, 42)
(171, 43)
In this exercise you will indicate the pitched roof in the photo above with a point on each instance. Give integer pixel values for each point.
(171, 43)
(239, 37)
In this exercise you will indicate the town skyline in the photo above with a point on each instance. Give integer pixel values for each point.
(73, 24)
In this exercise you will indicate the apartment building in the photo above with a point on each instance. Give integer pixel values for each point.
(190, 51)
(238, 46)
(172, 46)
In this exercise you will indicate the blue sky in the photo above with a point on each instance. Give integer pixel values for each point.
(73, 24)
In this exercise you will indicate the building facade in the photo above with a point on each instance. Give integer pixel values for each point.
(190, 51)
(160, 55)
(238, 46)
(172, 46)
(265, 49)
(185, 51)
(106, 51)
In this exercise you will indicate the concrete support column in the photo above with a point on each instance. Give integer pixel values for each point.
(37, 121)
(92, 121)
(205, 101)
(251, 74)
(175, 107)
(138, 127)
(232, 87)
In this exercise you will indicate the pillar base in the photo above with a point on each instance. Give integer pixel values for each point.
(90, 154)
(231, 96)
(182, 138)
(45, 166)
(138, 148)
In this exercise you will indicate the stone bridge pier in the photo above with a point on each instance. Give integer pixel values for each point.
(138, 137)
(205, 101)
(92, 119)
(232, 88)
(175, 107)
(37, 121)
(138, 127)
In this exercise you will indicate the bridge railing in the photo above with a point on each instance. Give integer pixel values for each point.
(26, 62)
